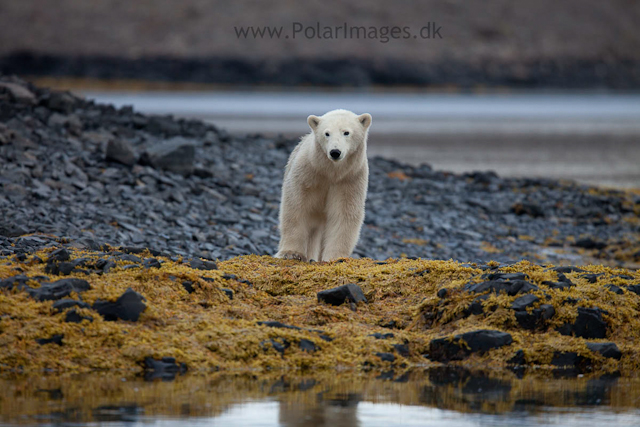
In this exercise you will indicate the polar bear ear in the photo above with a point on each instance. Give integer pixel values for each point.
(313, 121)
(365, 120)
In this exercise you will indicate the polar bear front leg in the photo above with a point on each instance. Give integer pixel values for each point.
(345, 215)
(294, 236)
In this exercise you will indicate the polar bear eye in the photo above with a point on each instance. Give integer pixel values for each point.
(346, 133)
(326, 133)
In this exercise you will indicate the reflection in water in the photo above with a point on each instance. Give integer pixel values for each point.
(433, 396)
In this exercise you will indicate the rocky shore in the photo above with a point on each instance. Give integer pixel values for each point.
(121, 232)
(81, 174)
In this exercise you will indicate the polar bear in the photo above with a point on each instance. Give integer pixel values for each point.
(324, 188)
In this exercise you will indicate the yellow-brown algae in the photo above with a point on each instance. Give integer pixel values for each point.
(207, 330)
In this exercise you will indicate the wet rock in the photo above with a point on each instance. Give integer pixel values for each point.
(588, 324)
(119, 150)
(176, 154)
(442, 293)
(386, 357)
(615, 289)
(165, 369)
(568, 269)
(188, 286)
(504, 276)
(476, 307)
(278, 344)
(18, 281)
(54, 339)
(202, 265)
(558, 285)
(73, 316)
(592, 277)
(444, 349)
(61, 101)
(518, 359)
(275, 324)
(228, 292)
(523, 302)
(151, 263)
(128, 307)
(402, 349)
(379, 336)
(496, 286)
(59, 289)
(307, 345)
(66, 303)
(342, 294)
(61, 254)
(606, 349)
(634, 288)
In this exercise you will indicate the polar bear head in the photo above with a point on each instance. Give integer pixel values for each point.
(340, 133)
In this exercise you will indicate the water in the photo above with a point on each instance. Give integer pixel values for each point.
(426, 397)
(589, 137)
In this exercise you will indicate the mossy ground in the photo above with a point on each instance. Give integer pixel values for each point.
(208, 331)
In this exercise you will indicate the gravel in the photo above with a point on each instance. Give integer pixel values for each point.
(79, 174)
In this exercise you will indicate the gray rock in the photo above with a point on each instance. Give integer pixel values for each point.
(175, 154)
(119, 150)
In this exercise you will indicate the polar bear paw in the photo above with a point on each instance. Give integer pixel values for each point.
(292, 255)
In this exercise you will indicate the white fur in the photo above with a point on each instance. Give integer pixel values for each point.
(323, 200)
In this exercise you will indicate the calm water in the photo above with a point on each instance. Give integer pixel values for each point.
(589, 137)
(434, 397)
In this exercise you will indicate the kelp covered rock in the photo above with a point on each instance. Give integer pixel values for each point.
(417, 312)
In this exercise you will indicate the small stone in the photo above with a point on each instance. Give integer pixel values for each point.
(151, 263)
(588, 324)
(442, 293)
(228, 292)
(337, 296)
(188, 286)
(166, 368)
(54, 339)
(379, 336)
(518, 359)
(510, 287)
(590, 243)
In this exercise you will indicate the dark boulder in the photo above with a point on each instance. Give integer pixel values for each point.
(588, 324)
(341, 294)
(127, 307)
(607, 349)
(379, 336)
(445, 349)
(497, 286)
(59, 289)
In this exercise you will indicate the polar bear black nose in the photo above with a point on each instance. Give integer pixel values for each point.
(334, 154)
